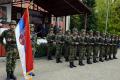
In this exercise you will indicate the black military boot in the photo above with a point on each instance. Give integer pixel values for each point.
(50, 58)
(110, 58)
(58, 60)
(88, 61)
(106, 58)
(8, 77)
(32, 74)
(66, 59)
(114, 57)
(73, 64)
(101, 60)
(12, 76)
(81, 63)
(95, 61)
(76, 58)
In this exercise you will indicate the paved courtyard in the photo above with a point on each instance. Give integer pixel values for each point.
(49, 70)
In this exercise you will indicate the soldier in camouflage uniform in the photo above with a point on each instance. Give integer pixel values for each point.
(111, 48)
(96, 47)
(115, 46)
(75, 34)
(73, 47)
(50, 39)
(107, 46)
(59, 45)
(82, 46)
(90, 42)
(11, 49)
(67, 45)
(102, 47)
(33, 39)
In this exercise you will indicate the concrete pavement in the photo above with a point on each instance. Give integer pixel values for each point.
(49, 70)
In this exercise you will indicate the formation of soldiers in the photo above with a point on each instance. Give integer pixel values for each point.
(92, 46)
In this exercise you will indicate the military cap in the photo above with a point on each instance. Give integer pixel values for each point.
(13, 22)
(74, 30)
(91, 31)
(32, 25)
(60, 29)
(83, 30)
(51, 29)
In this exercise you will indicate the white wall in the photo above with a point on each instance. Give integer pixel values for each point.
(67, 23)
(8, 11)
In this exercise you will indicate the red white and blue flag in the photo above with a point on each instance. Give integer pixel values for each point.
(22, 33)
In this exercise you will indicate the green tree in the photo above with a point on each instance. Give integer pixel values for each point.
(92, 20)
(114, 16)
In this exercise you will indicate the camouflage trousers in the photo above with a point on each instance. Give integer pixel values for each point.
(72, 54)
(11, 61)
(58, 51)
(89, 52)
(82, 52)
(50, 50)
(67, 51)
(107, 51)
(102, 51)
(115, 48)
(95, 52)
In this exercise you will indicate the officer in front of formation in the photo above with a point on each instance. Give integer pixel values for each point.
(11, 49)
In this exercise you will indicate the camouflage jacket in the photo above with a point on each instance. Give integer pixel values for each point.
(9, 36)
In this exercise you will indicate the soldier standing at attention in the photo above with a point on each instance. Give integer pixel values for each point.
(75, 35)
(111, 47)
(73, 47)
(102, 47)
(33, 39)
(59, 45)
(11, 49)
(82, 46)
(50, 39)
(107, 50)
(67, 45)
(115, 47)
(96, 47)
(90, 43)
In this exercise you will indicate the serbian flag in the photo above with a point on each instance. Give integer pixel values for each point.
(23, 40)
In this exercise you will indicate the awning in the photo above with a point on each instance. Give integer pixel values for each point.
(5, 1)
(63, 7)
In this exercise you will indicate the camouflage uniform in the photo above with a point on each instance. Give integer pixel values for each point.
(82, 47)
(115, 47)
(96, 47)
(11, 49)
(67, 45)
(107, 47)
(33, 39)
(102, 47)
(59, 45)
(75, 35)
(50, 39)
(90, 42)
(73, 47)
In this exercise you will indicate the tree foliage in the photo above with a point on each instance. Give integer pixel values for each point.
(114, 16)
